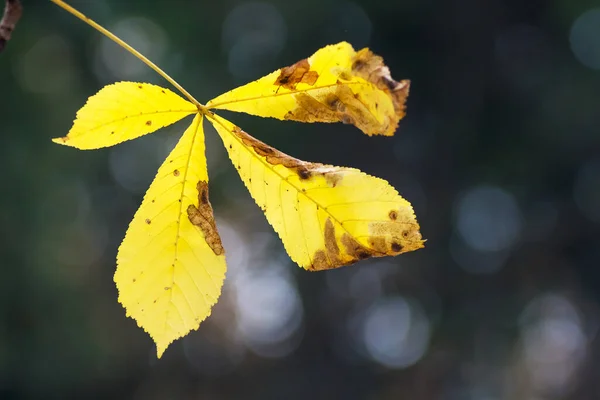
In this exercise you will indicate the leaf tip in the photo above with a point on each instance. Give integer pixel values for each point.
(160, 349)
(61, 140)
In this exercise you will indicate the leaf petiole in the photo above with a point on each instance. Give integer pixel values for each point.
(140, 56)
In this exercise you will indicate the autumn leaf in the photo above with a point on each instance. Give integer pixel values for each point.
(171, 263)
(336, 84)
(124, 111)
(326, 216)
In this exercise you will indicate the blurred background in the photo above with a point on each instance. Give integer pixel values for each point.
(499, 155)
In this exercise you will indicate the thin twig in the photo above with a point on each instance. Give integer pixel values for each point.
(12, 13)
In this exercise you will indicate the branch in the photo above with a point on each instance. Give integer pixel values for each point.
(12, 13)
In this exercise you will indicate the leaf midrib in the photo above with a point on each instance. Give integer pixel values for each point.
(290, 93)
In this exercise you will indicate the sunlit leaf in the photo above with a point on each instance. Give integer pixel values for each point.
(326, 216)
(336, 84)
(124, 111)
(171, 264)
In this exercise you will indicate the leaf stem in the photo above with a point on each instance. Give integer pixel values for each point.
(130, 49)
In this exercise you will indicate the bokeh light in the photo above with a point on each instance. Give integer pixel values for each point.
(554, 343)
(488, 218)
(587, 190)
(396, 332)
(254, 33)
(585, 38)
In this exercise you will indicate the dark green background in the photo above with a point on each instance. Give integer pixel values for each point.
(499, 154)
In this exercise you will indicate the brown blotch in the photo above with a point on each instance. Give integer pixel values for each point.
(332, 257)
(356, 250)
(340, 104)
(134, 280)
(275, 157)
(176, 172)
(370, 67)
(148, 123)
(393, 215)
(202, 217)
(401, 235)
(139, 86)
(332, 178)
(319, 262)
(333, 250)
(378, 244)
(295, 74)
(148, 221)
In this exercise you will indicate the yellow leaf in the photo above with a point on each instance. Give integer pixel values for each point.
(124, 111)
(326, 216)
(336, 84)
(171, 264)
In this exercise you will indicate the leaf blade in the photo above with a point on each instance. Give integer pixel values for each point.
(124, 111)
(326, 216)
(170, 268)
(335, 84)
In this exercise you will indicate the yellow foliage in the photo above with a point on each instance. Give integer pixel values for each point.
(124, 111)
(170, 268)
(326, 216)
(336, 84)
(171, 263)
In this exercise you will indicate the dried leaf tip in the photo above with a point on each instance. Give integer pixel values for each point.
(370, 67)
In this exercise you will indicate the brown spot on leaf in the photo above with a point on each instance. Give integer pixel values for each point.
(393, 215)
(202, 217)
(176, 172)
(148, 221)
(300, 72)
(304, 173)
(396, 247)
(139, 86)
(148, 123)
(378, 244)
